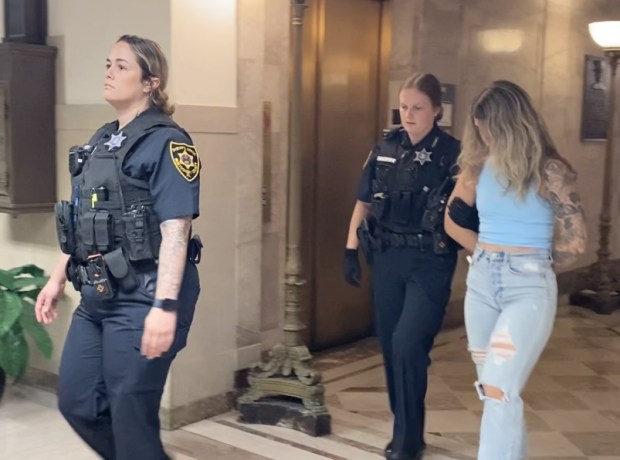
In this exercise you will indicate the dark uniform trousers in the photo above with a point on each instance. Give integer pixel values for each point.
(411, 290)
(109, 393)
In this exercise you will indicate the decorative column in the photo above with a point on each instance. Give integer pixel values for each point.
(285, 390)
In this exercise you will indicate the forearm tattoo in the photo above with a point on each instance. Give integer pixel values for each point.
(172, 257)
(570, 231)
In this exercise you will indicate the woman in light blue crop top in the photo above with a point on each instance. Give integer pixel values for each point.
(530, 220)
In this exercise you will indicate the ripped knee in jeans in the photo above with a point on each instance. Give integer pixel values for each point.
(502, 346)
(501, 349)
(478, 356)
(490, 392)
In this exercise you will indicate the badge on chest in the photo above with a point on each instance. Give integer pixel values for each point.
(422, 156)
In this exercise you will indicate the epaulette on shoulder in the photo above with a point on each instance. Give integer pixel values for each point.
(391, 133)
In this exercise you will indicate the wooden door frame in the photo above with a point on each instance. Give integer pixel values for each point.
(314, 33)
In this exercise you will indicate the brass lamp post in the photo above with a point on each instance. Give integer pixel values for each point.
(603, 295)
(286, 390)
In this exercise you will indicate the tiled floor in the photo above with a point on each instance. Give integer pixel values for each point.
(572, 400)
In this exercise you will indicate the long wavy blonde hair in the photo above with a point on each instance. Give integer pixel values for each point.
(518, 145)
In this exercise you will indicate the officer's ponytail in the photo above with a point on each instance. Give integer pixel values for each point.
(153, 63)
(160, 99)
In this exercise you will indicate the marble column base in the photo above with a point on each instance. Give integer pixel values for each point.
(285, 413)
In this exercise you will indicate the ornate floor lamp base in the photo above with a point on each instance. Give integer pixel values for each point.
(285, 413)
(286, 402)
(286, 391)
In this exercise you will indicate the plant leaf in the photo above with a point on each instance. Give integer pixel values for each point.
(10, 309)
(29, 281)
(14, 352)
(6, 279)
(30, 295)
(37, 332)
(27, 269)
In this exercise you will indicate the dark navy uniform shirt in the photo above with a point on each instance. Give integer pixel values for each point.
(173, 194)
(447, 150)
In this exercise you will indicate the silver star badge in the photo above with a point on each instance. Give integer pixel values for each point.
(422, 156)
(115, 141)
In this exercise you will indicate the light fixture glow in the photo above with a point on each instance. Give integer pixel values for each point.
(501, 40)
(606, 34)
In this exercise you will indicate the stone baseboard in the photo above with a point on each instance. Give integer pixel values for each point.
(171, 419)
(176, 417)
(43, 380)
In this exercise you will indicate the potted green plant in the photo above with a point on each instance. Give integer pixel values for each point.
(19, 288)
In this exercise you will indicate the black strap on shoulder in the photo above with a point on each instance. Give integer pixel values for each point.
(392, 133)
(146, 122)
(389, 147)
(106, 129)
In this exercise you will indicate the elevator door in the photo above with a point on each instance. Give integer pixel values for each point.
(343, 53)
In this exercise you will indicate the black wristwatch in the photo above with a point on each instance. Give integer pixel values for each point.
(166, 304)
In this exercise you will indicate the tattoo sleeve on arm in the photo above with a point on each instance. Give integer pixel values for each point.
(570, 230)
(172, 257)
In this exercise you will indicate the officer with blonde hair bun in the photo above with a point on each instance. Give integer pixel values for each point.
(127, 248)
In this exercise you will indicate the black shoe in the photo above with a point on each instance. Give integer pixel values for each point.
(403, 456)
(388, 449)
(391, 455)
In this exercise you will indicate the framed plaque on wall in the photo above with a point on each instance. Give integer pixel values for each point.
(448, 96)
(594, 110)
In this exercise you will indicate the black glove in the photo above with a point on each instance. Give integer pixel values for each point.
(351, 267)
(464, 215)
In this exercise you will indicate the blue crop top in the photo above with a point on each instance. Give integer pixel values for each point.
(508, 220)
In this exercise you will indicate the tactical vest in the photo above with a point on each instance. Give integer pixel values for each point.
(405, 178)
(109, 209)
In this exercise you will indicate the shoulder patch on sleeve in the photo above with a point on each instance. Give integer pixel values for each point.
(185, 159)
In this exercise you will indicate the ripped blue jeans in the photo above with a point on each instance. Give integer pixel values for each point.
(510, 306)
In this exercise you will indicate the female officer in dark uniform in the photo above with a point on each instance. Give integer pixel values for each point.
(398, 218)
(126, 238)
